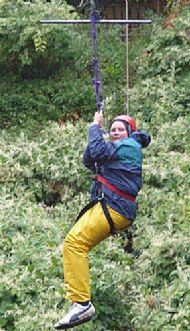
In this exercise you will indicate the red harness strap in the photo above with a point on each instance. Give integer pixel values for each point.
(114, 189)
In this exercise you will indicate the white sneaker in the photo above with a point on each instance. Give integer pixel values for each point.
(77, 314)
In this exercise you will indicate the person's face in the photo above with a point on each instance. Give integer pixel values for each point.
(118, 131)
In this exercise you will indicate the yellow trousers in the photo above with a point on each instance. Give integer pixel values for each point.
(90, 230)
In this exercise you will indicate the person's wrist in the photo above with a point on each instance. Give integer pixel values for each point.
(94, 123)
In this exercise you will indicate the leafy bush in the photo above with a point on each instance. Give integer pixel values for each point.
(163, 74)
(43, 166)
(38, 61)
(41, 174)
(22, 34)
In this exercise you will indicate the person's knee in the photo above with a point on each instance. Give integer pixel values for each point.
(67, 245)
(70, 244)
(73, 244)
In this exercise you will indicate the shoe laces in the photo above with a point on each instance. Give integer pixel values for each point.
(75, 304)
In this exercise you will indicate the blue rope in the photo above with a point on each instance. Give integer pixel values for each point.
(96, 80)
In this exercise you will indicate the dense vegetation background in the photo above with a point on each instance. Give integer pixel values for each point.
(46, 104)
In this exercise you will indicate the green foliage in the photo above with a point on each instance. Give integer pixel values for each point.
(162, 236)
(163, 74)
(37, 62)
(22, 34)
(43, 184)
(43, 165)
(36, 102)
(31, 280)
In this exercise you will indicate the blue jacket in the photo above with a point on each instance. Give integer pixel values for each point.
(120, 163)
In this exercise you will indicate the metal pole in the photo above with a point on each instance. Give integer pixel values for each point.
(96, 21)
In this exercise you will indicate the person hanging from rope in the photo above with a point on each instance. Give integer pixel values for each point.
(117, 169)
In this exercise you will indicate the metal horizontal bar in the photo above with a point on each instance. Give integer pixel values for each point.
(96, 21)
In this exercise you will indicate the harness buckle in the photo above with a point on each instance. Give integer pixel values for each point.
(101, 197)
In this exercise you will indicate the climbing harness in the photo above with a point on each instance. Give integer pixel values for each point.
(91, 204)
(101, 199)
(114, 189)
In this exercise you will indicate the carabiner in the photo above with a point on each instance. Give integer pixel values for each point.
(101, 197)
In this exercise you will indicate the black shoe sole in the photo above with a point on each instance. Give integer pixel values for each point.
(72, 325)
